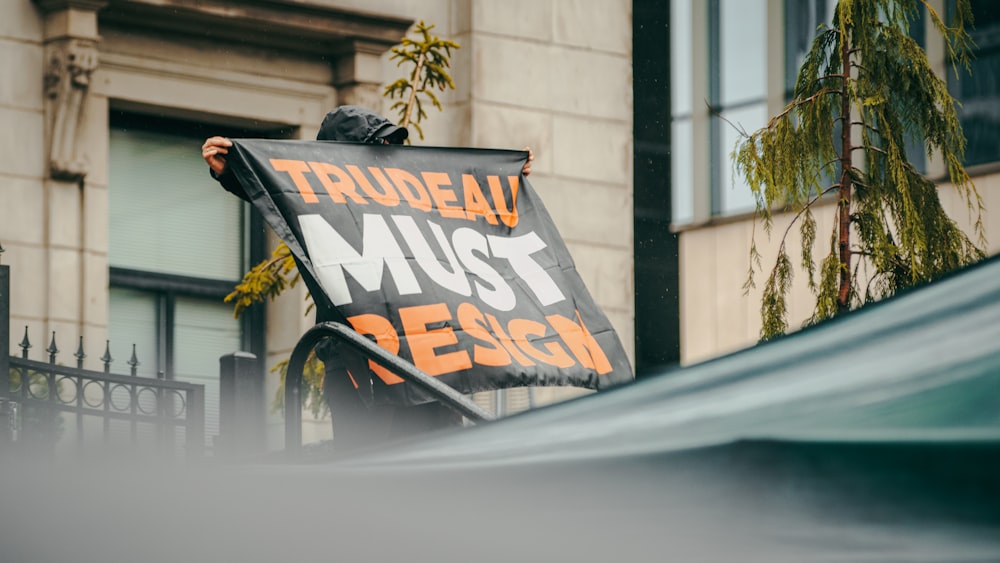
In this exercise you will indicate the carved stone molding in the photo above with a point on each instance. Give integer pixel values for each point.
(351, 41)
(360, 94)
(67, 83)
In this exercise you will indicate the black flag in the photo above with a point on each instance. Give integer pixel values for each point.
(445, 256)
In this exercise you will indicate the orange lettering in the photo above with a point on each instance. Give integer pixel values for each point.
(387, 197)
(475, 201)
(410, 188)
(507, 343)
(580, 343)
(339, 188)
(385, 336)
(434, 181)
(297, 169)
(472, 322)
(424, 342)
(508, 216)
(519, 331)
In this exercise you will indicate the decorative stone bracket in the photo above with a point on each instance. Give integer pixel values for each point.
(67, 83)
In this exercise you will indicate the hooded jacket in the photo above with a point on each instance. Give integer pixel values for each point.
(359, 125)
(350, 124)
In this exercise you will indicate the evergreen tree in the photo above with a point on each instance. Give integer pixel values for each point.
(864, 90)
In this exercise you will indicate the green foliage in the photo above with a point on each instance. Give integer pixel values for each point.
(864, 90)
(265, 280)
(313, 375)
(431, 57)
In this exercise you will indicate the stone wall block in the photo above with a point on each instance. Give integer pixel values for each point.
(21, 20)
(22, 208)
(603, 26)
(64, 214)
(512, 72)
(95, 289)
(623, 322)
(697, 293)
(516, 18)
(607, 273)
(95, 228)
(28, 269)
(21, 147)
(64, 284)
(588, 212)
(599, 151)
(505, 127)
(21, 86)
(590, 84)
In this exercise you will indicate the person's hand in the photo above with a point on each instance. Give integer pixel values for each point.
(526, 169)
(214, 152)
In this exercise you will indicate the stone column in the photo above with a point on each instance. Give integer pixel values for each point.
(358, 75)
(74, 267)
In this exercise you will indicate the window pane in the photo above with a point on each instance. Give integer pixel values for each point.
(734, 195)
(203, 331)
(743, 50)
(682, 171)
(802, 18)
(680, 57)
(133, 319)
(166, 214)
(979, 92)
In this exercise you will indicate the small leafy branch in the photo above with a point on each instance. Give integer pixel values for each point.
(864, 89)
(431, 57)
(267, 279)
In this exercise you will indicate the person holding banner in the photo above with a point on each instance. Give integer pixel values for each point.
(349, 387)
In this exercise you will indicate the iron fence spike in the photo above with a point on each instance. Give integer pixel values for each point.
(133, 362)
(25, 343)
(106, 358)
(80, 355)
(52, 349)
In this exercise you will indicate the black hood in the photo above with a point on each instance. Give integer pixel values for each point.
(359, 125)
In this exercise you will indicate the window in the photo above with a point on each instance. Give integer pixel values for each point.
(737, 92)
(682, 136)
(979, 92)
(178, 243)
(802, 19)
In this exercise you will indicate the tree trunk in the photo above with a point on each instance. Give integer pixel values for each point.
(844, 204)
(414, 80)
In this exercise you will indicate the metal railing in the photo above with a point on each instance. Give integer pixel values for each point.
(36, 394)
(407, 371)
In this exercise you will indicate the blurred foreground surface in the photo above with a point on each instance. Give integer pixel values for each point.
(875, 437)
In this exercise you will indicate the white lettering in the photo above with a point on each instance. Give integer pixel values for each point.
(467, 242)
(456, 279)
(332, 255)
(518, 251)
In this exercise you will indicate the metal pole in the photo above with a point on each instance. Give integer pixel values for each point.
(296, 364)
(241, 405)
(4, 331)
(195, 433)
(8, 409)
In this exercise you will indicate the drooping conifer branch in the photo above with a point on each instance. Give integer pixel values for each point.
(888, 218)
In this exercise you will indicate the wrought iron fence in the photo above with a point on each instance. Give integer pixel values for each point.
(41, 398)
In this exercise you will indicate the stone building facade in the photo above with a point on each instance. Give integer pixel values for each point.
(94, 91)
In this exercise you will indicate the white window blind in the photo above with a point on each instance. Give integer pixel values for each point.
(166, 213)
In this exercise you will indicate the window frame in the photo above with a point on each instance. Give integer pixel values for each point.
(166, 288)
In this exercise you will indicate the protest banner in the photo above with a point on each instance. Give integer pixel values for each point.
(444, 256)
